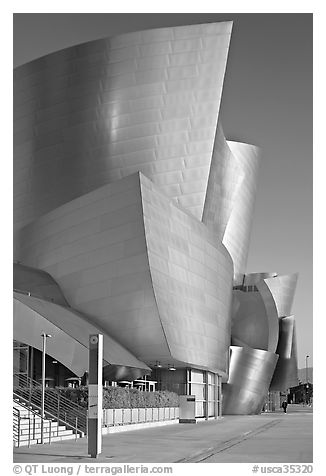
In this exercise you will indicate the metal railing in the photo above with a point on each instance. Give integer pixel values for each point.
(16, 426)
(42, 428)
(56, 406)
(32, 433)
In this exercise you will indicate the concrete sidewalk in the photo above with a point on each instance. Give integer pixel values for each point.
(270, 437)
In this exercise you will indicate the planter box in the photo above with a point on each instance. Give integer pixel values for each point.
(117, 414)
(142, 415)
(134, 415)
(161, 414)
(127, 416)
(107, 417)
(149, 414)
(155, 414)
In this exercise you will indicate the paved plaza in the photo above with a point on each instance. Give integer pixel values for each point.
(271, 437)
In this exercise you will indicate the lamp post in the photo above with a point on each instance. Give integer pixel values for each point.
(44, 336)
(307, 357)
(306, 387)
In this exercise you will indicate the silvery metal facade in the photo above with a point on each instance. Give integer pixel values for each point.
(146, 101)
(264, 342)
(230, 197)
(149, 273)
(251, 371)
(133, 212)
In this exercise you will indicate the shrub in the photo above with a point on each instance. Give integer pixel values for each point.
(120, 397)
(77, 395)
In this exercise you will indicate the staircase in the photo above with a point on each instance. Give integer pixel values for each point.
(27, 426)
(64, 419)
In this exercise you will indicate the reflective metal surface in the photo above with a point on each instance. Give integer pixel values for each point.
(230, 197)
(96, 112)
(286, 372)
(284, 347)
(259, 305)
(131, 206)
(253, 279)
(38, 283)
(149, 273)
(70, 331)
(271, 313)
(225, 178)
(283, 289)
(251, 371)
(254, 321)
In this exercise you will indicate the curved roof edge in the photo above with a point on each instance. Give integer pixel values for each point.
(228, 24)
(74, 328)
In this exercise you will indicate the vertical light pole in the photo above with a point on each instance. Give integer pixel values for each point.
(44, 336)
(306, 385)
(307, 357)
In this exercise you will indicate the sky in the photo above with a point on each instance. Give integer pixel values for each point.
(267, 101)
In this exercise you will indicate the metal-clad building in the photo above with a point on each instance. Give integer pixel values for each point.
(132, 217)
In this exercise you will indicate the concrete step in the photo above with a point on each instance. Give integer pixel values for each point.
(46, 440)
(27, 410)
(46, 434)
(31, 424)
(54, 429)
(25, 443)
(37, 423)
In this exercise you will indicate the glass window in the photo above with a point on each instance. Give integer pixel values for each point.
(211, 392)
(211, 408)
(200, 409)
(197, 376)
(198, 390)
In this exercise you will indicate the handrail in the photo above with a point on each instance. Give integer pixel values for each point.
(16, 426)
(55, 403)
(35, 384)
(16, 416)
(62, 413)
(51, 392)
(51, 415)
(52, 398)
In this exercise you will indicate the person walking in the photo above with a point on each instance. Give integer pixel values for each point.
(284, 405)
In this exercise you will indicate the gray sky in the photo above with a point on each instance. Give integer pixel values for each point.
(267, 101)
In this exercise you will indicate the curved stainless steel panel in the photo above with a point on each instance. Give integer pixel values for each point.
(284, 347)
(192, 282)
(283, 289)
(237, 233)
(224, 181)
(286, 372)
(252, 279)
(96, 112)
(148, 273)
(254, 321)
(250, 374)
(230, 197)
(272, 316)
(38, 283)
(70, 331)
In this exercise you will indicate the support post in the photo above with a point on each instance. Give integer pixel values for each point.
(216, 397)
(44, 337)
(95, 395)
(206, 394)
(220, 395)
